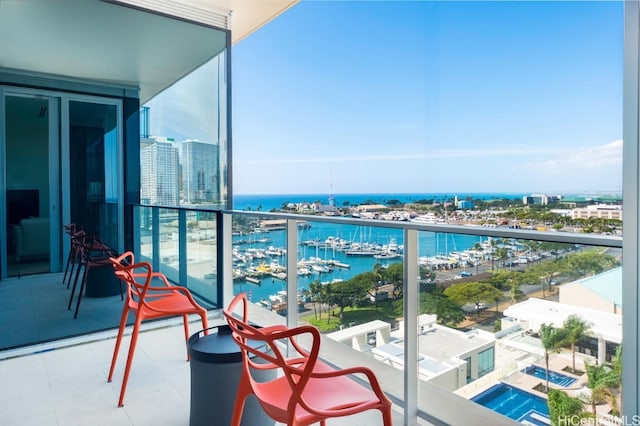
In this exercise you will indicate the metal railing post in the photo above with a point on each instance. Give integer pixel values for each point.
(411, 296)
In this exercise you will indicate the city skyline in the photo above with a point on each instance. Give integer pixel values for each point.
(177, 172)
(410, 97)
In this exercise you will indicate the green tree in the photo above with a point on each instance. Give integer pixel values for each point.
(379, 280)
(600, 380)
(315, 291)
(616, 377)
(352, 292)
(473, 292)
(509, 280)
(545, 272)
(426, 273)
(394, 275)
(576, 330)
(502, 253)
(590, 262)
(493, 243)
(552, 341)
(448, 312)
(563, 407)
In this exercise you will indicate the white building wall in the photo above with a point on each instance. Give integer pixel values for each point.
(159, 165)
(578, 295)
(200, 171)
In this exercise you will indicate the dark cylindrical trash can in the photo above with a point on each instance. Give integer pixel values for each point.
(216, 366)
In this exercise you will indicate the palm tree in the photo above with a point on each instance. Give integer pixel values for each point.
(532, 246)
(576, 329)
(503, 254)
(315, 291)
(493, 243)
(562, 406)
(552, 341)
(616, 372)
(600, 380)
(478, 247)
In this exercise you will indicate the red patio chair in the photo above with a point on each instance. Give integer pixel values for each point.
(147, 302)
(93, 254)
(308, 390)
(75, 234)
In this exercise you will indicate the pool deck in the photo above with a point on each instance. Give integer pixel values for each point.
(513, 358)
(556, 363)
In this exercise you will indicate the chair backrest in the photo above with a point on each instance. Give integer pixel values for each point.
(76, 234)
(92, 248)
(264, 348)
(125, 269)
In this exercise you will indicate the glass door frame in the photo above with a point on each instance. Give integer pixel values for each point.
(53, 135)
(65, 175)
(59, 168)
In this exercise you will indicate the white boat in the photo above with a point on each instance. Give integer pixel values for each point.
(320, 268)
(428, 218)
(279, 275)
(253, 280)
(386, 255)
(303, 271)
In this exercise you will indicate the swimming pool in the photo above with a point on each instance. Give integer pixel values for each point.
(515, 403)
(554, 377)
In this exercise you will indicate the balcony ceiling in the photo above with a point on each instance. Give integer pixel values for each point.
(106, 41)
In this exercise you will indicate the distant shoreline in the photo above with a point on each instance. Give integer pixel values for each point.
(267, 202)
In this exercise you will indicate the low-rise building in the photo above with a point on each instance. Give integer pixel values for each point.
(605, 329)
(599, 211)
(602, 292)
(540, 199)
(447, 358)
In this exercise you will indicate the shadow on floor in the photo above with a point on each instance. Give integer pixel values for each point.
(33, 309)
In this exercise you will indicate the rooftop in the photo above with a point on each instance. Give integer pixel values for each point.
(538, 311)
(607, 285)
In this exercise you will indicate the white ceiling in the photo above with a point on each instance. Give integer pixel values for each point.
(114, 44)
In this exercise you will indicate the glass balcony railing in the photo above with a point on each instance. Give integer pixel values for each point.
(479, 300)
(182, 244)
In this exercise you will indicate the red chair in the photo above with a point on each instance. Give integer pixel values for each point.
(147, 302)
(93, 254)
(76, 234)
(308, 390)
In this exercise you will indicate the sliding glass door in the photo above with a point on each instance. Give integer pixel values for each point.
(93, 133)
(60, 163)
(30, 188)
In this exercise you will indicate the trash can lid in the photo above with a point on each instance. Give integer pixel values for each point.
(217, 347)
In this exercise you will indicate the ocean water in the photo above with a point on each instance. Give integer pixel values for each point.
(429, 244)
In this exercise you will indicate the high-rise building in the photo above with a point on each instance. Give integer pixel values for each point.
(200, 170)
(159, 170)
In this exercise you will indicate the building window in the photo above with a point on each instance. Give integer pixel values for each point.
(486, 361)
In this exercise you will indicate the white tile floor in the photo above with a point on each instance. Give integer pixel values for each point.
(68, 386)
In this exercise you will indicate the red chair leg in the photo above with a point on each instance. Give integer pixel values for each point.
(123, 325)
(238, 406)
(127, 368)
(66, 268)
(75, 283)
(84, 282)
(386, 416)
(185, 323)
(205, 322)
(75, 257)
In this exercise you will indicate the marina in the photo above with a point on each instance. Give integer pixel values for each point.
(329, 253)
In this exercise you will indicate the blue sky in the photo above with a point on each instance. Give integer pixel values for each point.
(390, 96)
